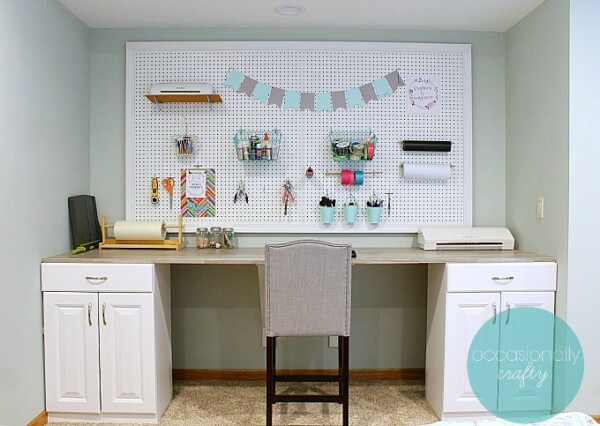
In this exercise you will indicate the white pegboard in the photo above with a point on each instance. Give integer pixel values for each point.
(305, 67)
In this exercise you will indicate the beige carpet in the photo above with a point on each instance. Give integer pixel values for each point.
(381, 403)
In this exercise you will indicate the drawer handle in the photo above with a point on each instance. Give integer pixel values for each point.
(90, 314)
(96, 278)
(510, 278)
(104, 313)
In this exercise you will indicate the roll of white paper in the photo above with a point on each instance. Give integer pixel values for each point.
(130, 230)
(426, 171)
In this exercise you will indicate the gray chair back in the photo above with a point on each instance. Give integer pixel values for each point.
(307, 285)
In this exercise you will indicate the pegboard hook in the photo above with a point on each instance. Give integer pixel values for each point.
(184, 129)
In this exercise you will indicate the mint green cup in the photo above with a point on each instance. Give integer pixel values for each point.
(350, 213)
(374, 215)
(327, 214)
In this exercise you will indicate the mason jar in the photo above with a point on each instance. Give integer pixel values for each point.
(228, 238)
(216, 237)
(202, 238)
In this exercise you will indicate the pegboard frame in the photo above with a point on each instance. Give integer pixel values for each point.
(339, 226)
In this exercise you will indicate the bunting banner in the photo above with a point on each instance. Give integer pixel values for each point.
(322, 101)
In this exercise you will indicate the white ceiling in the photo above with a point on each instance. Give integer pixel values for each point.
(457, 15)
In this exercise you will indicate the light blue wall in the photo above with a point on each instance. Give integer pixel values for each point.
(584, 196)
(214, 309)
(552, 144)
(44, 158)
(537, 135)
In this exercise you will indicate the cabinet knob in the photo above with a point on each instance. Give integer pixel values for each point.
(495, 311)
(90, 314)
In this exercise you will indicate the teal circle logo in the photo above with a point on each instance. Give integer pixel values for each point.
(525, 365)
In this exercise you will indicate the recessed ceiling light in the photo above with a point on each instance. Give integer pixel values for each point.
(290, 9)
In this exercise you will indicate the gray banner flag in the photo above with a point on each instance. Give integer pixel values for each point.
(368, 92)
(248, 86)
(394, 79)
(307, 101)
(276, 96)
(338, 99)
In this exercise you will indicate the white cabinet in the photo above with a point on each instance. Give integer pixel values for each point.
(530, 398)
(127, 358)
(71, 352)
(107, 350)
(461, 298)
(466, 313)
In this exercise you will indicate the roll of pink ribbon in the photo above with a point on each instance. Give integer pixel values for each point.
(347, 177)
(370, 151)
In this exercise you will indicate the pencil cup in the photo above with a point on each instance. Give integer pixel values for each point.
(350, 213)
(327, 214)
(374, 214)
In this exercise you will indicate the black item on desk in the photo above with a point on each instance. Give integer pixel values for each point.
(83, 221)
(353, 254)
(428, 146)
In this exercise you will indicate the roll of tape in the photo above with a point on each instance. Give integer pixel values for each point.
(347, 177)
(131, 230)
(370, 151)
(359, 177)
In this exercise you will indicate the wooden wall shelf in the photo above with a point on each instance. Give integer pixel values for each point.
(213, 98)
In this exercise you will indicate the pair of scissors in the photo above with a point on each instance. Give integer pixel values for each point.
(168, 184)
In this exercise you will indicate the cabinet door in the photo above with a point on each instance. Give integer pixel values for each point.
(466, 313)
(530, 397)
(71, 352)
(127, 353)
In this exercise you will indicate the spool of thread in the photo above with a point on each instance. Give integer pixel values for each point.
(426, 171)
(347, 177)
(359, 177)
(370, 151)
(428, 146)
(132, 230)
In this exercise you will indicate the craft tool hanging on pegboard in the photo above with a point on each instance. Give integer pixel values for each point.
(288, 196)
(169, 184)
(154, 189)
(240, 193)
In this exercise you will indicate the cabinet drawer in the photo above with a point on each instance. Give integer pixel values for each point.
(533, 276)
(97, 277)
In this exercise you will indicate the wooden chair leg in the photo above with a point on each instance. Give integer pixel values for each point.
(341, 365)
(270, 378)
(345, 376)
